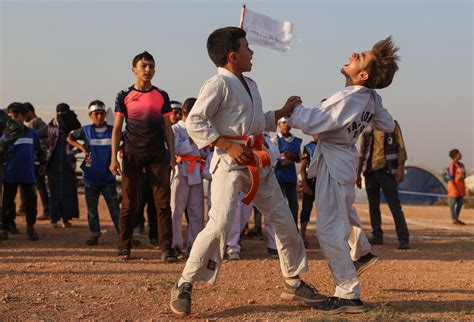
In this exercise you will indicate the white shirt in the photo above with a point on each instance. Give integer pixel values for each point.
(182, 146)
(339, 121)
(225, 108)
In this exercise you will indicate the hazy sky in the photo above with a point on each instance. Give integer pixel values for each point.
(78, 51)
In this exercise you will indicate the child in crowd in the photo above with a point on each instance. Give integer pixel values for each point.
(97, 177)
(339, 121)
(228, 113)
(309, 185)
(177, 115)
(187, 192)
(10, 131)
(285, 170)
(456, 187)
(20, 171)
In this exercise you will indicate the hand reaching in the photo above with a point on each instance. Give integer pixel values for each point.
(289, 106)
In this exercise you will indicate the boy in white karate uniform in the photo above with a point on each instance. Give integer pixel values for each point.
(339, 121)
(228, 113)
(187, 192)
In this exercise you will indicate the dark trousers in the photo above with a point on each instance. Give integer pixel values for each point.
(257, 215)
(63, 200)
(291, 194)
(92, 194)
(9, 207)
(308, 201)
(381, 179)
(158, 175)
(148, 201)
(42, 191)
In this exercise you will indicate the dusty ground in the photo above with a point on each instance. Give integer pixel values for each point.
(60, 278)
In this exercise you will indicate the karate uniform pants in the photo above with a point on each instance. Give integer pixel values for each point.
(270, 234)
(208, 250)
(339, 231)
(241, 218)
(184, 196)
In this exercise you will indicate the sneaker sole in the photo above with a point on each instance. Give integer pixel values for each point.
(344, 309)
(368, 265)
(180, 313)
(292, 297)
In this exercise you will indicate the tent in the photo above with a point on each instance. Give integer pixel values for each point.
(421, 186)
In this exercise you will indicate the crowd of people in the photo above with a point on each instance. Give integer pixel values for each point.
(167, 149)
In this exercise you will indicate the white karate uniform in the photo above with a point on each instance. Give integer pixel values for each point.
(224, 107)
(241, 218)
(339, 121)
(187, 191)
(206, 174)
(274, 153)
(244, 211)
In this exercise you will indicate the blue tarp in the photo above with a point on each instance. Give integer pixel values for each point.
(421, 182)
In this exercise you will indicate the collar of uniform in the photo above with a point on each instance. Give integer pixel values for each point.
(226, 72)
(286, 139)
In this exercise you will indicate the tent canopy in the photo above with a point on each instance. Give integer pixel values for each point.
(421, 186)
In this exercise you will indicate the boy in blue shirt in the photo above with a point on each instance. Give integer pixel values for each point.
(285, 170)
(20, 171)
(97, 138)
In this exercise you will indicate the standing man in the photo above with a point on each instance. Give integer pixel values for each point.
(146, 109)
(37, 124)
(382, 159)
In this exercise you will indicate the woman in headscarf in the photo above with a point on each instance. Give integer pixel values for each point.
(62, 178)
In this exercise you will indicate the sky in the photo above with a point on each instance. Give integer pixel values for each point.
(79, 51)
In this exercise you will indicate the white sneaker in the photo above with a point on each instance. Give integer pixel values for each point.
(233, 256)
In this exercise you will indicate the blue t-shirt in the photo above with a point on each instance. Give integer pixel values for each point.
(293, 144)
(20, 166)
(99, 144)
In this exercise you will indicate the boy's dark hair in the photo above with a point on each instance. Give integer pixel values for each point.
(97, 102)
(144, 55)
(453, 153)
(29, 107)
(17, 108)
(223, 40)
(188, 104)
(382, 69)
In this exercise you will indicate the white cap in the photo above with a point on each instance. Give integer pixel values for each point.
(281, 120)
(176, 105)
(97, 107)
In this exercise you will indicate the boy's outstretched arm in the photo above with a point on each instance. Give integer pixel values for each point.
(313, 120)
(288, 108)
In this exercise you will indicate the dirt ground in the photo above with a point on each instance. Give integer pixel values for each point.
(60, 278)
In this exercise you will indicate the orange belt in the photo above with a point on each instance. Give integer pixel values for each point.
(261, 159)
(193, 160)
